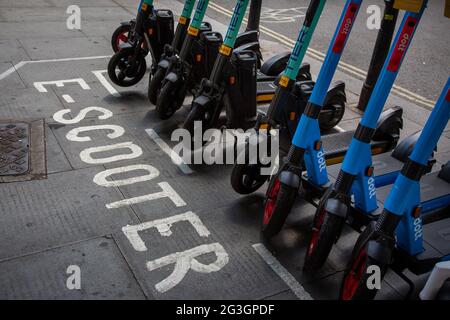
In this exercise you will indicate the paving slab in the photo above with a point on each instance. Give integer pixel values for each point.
(28, 102)
(245, 276)
(104, 274)
(12, 51)
(67, 207)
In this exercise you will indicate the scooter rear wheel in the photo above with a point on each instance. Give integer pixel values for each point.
(247, 178)
(280, 199)
(165, 104)
(337, 108)
(154, 85)
(125, 68)
(119, 36)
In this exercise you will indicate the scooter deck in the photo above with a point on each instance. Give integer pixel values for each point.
(436, 245)
(436, 233)
(335, 146)
(383, 164)
(431, 187)
(265, 90)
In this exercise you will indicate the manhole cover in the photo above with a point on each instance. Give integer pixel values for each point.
(22, 150)
(14, 148)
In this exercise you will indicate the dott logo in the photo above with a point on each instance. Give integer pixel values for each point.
(402, 44)
(346, 27)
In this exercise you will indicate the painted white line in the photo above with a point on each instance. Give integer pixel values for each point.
(281, 271)
(68, 98)
(19, 65)
(359, 73)
(105, 83)
(172, 154)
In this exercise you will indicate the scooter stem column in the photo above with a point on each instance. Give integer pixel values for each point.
(328, 68)
(194, 28)
(254, 16)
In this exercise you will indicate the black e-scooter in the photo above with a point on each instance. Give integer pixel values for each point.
(152, 30)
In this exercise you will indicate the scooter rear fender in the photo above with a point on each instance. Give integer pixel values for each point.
(246, 37)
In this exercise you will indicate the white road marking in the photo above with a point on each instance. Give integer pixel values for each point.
(73, 135)
(100, 178)
(59, 115)
(185, 261)
(167, 192)
(163, 226)
(40, 85)
(20, 64)
(105, 83)
(291, 282)
(68, 98)
(172, 154)
(86, 154)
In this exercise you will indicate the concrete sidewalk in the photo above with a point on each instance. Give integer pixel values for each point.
(118, 208)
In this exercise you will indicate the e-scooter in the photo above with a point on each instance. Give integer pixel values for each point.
(288, 104)
(123, 32)
(152, 31)
(184, 74)
(211, 91)
(355, 186)
(404, 236)
(307, 149)
(169, 50)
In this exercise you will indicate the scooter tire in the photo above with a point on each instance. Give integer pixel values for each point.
(279, 202)
(240, 176)
(196, 114)
(326, 230)
(356, 276)
(338, 106)
(118, 35)
(165, 105)
(119, 60)
(154, 85)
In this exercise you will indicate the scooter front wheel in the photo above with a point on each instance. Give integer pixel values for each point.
(120, 35)
(125, 68)
(165, 104)
(247, 178)
(325, 231)
(196, 114)
(280, 199)
(154, 85)
(354, 284)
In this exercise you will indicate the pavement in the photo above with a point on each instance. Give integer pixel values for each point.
(116, 210)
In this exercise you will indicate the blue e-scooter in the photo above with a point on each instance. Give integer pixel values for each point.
(307, 145)
(396, 239)
(356, 181)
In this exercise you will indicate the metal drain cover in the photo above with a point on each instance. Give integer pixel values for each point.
(22, 150)
(14, 148)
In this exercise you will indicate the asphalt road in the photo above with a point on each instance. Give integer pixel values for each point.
(426, 67)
